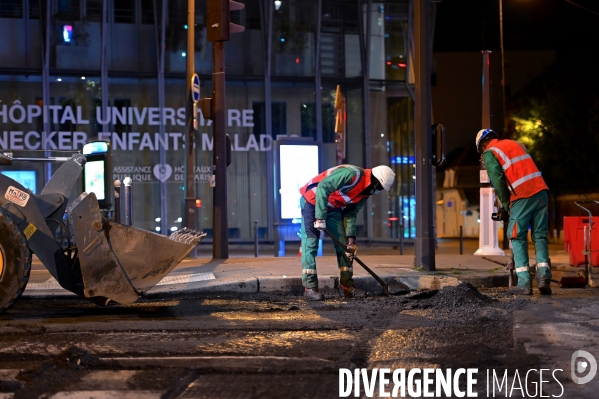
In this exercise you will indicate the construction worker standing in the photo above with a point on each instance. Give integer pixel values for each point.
(332, 200)
(523, 193)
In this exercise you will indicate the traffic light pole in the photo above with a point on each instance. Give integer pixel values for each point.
(219, 28)
(424, 244)
(220, 243)
(189, 216)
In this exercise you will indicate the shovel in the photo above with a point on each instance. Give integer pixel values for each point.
(394, 289)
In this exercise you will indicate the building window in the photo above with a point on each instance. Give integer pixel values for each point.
(11, 9)
(279, 119)
(121, 106)
(396, 41)
(69, 10)
(332, 60)
(93, 10)
(252, 14)
(147, 12)
(67, 124)
(34, 10)
(401, 147)
(308, 121)
(124, 11)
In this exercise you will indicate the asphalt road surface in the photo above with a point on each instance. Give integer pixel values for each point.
(283, 347)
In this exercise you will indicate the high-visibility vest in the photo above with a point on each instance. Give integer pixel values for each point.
(349, 194)
(523, 176)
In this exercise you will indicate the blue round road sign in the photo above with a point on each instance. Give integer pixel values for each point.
(195, 88)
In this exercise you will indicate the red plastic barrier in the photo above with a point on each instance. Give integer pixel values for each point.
(574, 239)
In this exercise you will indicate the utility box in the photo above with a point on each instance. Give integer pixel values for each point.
(574, 241)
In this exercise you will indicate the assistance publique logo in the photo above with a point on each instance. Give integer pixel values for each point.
(462, 382)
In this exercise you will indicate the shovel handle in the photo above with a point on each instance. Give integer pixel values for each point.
(373, 274)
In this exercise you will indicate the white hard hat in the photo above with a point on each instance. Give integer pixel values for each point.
(384, 175)
(483, 134)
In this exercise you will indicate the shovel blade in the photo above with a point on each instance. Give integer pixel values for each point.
(146, 257)
(121, 262)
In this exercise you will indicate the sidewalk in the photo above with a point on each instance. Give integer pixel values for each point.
(244, 273)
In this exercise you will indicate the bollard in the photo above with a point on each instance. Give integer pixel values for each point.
(128, 203)
(401, 239)
(461, 240)
(255, 238)
(117, 201)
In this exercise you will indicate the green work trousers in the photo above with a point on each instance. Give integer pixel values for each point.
(310, 237)
(524, 213)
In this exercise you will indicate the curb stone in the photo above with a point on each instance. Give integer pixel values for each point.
(428, 282)
(327, 284)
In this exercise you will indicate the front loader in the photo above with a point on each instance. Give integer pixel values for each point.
(86, 253)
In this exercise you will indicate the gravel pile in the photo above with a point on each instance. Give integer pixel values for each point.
(462, 295)
(462, 304)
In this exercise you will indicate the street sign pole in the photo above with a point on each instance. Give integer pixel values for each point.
(220, 247)
(190, 116)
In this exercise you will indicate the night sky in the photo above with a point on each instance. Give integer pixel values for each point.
(473, 25)
(469, 26)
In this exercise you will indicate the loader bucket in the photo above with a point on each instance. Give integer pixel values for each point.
(121, 262)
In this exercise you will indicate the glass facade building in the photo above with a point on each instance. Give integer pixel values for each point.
(74, 71)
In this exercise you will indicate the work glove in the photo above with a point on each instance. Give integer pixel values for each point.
(350, 250)
(502, 215)
(320, 224)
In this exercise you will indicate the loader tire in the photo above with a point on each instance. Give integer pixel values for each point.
(15, 262)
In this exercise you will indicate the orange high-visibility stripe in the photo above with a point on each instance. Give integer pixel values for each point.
(515, 230)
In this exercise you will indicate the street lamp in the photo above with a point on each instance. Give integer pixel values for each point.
(504, 131)
(506, 244)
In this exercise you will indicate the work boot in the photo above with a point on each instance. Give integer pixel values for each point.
(544, 287)
(520, 290)
(312, 294)
(352, 292)
(543, 276)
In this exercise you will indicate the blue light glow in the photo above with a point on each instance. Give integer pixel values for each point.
(403, 160)
(27, 178)
(67, 33)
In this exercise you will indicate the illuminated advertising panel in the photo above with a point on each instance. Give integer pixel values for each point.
(297, 164)
(94, 179)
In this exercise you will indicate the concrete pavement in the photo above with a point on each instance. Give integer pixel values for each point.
(245, 273)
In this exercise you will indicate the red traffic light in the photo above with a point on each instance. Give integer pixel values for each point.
(198, 203)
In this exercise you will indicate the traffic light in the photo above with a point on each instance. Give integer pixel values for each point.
(198, 203)
(219, 24)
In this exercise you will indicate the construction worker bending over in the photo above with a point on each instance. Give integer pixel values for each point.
(523, 193)
(332, 200)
